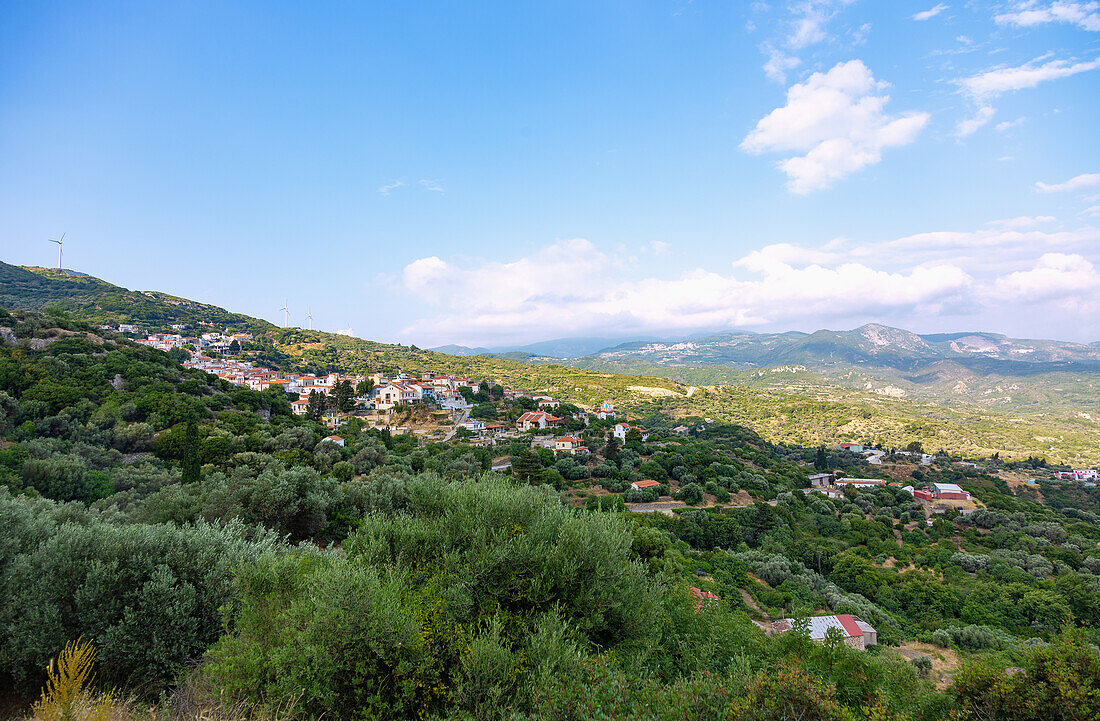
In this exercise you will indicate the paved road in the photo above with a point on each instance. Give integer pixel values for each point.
(875, 458)
(457, 425)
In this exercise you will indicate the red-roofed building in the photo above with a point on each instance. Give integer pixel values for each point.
(536, 419)
(333, 439)
(704, 598)
(638, 485)
(855, 632)
(570, 444)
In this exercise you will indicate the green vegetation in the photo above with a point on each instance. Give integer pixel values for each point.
(101, 303)
(202, 538)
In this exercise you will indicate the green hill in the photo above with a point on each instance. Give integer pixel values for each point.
(101, 303)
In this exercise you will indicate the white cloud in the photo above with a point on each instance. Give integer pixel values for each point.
(1009, 124)
(779, 64)
(571, 287)
(930, 12)
(837, 120)
(432, 185)
(659, 248)
(390, 187)
(1028, 14)
(806, 24)
(1068, 278)
(992, 83)
(1022, 222)
(1080, 182)
(1092, 212)
(969, 126)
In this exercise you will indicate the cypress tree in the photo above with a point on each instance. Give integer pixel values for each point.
(192, 461)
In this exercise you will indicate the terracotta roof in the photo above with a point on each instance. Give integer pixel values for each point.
(646, 484)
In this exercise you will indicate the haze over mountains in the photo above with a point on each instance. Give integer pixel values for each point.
(873, 344)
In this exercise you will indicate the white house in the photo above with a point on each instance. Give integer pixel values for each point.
(621, 429)
(333, 439)
(536, 419)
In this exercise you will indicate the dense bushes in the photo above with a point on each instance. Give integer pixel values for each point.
(471, 594)
(148, 597)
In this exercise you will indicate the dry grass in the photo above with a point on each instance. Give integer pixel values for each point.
(69, 696)
(944, 660)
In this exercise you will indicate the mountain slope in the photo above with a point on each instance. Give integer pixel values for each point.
(99, 302)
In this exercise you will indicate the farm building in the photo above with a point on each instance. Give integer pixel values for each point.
(855, 632)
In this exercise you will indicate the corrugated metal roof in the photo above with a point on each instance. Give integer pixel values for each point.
(818, 626)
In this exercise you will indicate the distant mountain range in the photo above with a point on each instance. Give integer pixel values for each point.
(557, 348)
(872, 344)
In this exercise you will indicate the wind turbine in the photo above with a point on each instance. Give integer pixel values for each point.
(286, 315)
(60, 245)
(309, 316)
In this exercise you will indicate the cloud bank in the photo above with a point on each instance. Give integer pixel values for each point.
(571, 287)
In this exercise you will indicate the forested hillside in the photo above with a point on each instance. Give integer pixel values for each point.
(100, 303)
(224, 559)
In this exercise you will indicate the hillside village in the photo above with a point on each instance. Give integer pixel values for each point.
(450, 404)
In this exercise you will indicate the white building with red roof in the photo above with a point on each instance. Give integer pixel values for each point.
(854, 632)
(536, 419)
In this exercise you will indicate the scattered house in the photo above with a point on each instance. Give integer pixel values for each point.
(821, 480)
(853, 447)
(178, 327)
(334, 439)
(639, 485)
(300, 407)
(1080, 474)
(621, 429)
(860, 482)
(548, 402)
(494, 429)
(855, 632)
(948, 492)
(127, 328)
(704, 598)
(474, 425)
(536, 419)
(570, 444)
(681, 430)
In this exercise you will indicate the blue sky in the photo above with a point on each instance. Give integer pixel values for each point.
(496, 173)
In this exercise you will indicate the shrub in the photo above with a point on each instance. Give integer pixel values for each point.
(440, 604)
(148, 597)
